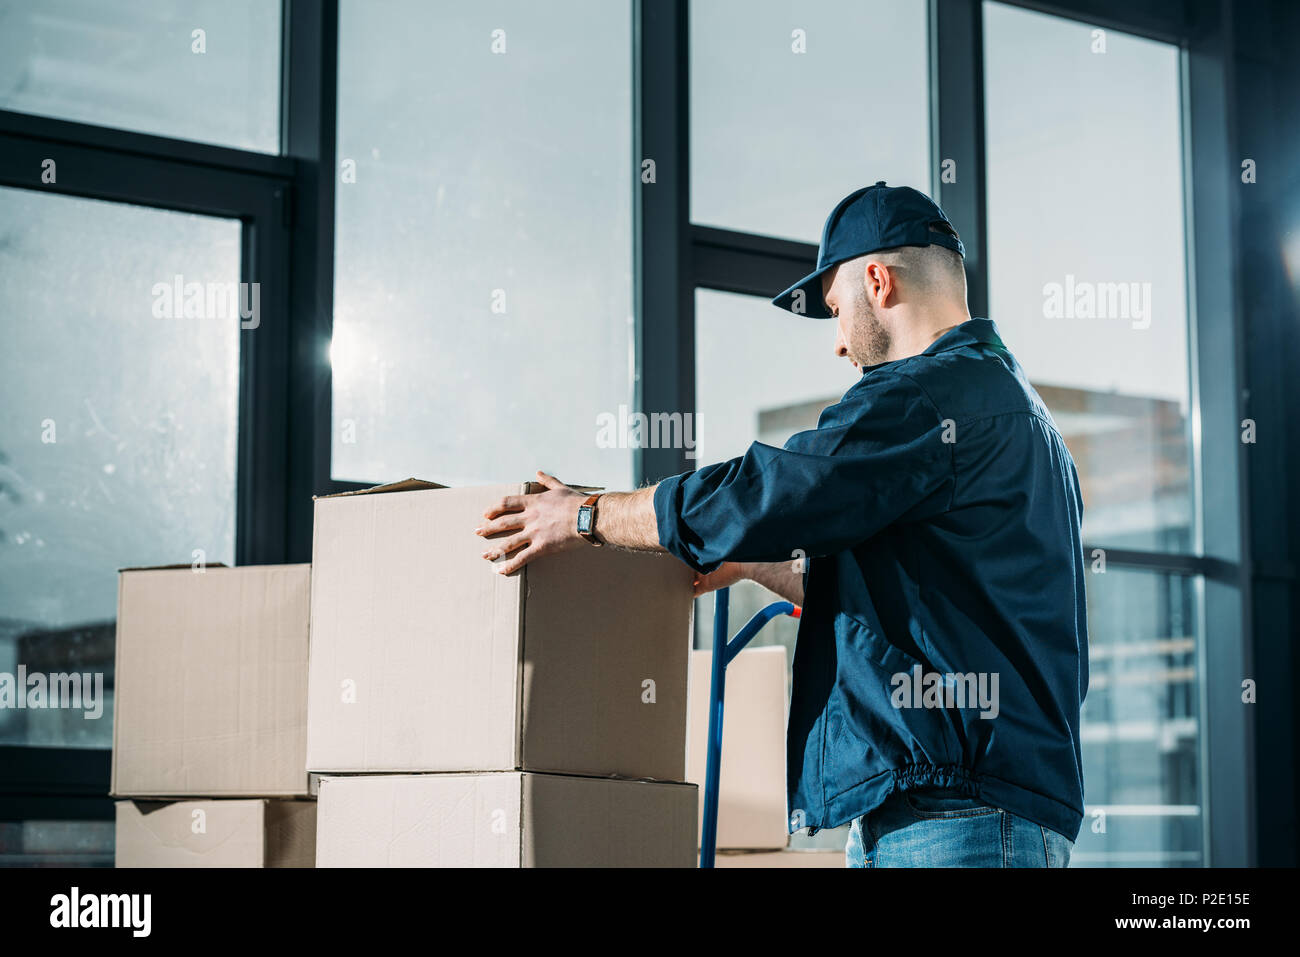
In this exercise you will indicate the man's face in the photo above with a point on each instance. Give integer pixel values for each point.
(860, 336)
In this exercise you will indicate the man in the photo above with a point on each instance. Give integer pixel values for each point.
(941, 661)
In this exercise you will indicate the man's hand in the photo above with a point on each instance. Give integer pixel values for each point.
(778, 577)
(724, 576)
(547, 521)
(543, 522)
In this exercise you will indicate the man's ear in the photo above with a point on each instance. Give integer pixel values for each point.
(877, 281)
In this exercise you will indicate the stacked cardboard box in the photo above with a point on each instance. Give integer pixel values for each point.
(226, 833)
(752, 819)
(209, 725)
(464, 718)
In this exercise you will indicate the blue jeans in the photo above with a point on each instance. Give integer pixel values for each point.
(936, 827)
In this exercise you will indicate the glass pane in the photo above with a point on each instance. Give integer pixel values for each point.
(1141, 726)
(1087, 275)
(206, 70)
(761, 375)
(483, 323)
(117, 446)
(782, 96)
(57, 843)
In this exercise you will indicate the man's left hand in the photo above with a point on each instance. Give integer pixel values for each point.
(543, 522)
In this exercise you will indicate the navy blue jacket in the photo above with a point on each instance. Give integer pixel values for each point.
(941, 511)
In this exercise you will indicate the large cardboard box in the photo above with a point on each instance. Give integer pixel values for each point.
(230, 833)
(789, 857)
(504, 819)
(211, 682)
(425, 658)
(751, 792)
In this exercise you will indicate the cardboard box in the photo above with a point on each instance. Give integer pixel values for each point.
(504, 819)
(230, 833)
(211, 682)
(751, 793)
(784, 858)
(425, 658)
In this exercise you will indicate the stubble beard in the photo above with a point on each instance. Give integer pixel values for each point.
(869, 340)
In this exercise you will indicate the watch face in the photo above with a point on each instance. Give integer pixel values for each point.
(584, 519)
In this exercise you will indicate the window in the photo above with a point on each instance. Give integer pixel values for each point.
(1088, 285)
(1087, 267)
(1141, 724)
(118, 445)
(794, 106)
(483, 321)
(206, 70)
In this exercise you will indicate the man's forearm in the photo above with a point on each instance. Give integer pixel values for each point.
(627, 520)
(779, 577)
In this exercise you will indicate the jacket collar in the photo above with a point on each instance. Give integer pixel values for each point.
(970, 332)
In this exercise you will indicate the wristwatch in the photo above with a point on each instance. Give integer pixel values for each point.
(587, 520)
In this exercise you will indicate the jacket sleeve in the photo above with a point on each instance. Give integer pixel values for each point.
(877, 456)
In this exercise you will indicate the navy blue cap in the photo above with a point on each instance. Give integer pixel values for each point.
(867, 220)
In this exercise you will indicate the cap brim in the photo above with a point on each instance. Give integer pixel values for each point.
(811, 303)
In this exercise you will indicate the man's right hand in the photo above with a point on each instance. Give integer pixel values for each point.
(724, 576)
(778, 577)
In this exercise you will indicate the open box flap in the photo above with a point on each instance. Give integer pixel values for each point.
(158, 568)
(415, 484)
(405, 485)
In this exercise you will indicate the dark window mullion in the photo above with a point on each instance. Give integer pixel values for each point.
(747, 263)
(309, 119)
(1157, 20)
(130, 143)
(665, 297)
(957, 76)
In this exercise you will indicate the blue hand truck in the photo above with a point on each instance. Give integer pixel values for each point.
(723, 653)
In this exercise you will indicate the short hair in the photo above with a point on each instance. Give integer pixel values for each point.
(932, 268)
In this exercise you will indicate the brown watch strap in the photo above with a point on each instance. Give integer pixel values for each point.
(591, 536)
